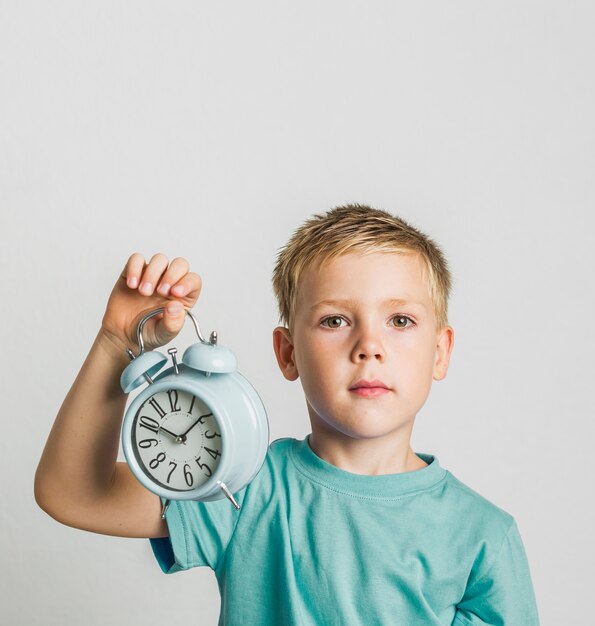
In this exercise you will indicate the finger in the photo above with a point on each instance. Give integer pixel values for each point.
(134, 269)
(173, 319)
(152, 274)
(176, 270)
(188, 287)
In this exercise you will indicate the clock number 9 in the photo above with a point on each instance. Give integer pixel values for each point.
(147, 443)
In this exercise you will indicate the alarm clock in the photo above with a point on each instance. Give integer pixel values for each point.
(198, 430)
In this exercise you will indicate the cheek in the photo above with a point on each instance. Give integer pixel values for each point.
(414, 363)
(309, 353)
(316, 365)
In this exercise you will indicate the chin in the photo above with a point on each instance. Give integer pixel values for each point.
(373, 423)
(364, 431)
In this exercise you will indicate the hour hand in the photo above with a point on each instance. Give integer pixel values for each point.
(178, 438)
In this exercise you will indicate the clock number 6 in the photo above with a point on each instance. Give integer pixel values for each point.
(188, 475)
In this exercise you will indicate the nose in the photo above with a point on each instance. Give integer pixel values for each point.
(368, 346)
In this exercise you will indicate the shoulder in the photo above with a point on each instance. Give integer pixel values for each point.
(278, 455)
(280, 447)
(472, 506)
(274, 468)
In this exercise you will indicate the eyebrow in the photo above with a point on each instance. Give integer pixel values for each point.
(352, 303)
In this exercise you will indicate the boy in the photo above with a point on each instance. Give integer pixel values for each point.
(349, 526)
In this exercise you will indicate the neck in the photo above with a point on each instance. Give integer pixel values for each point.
(374, 456)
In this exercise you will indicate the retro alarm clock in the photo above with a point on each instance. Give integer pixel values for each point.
(199, 430)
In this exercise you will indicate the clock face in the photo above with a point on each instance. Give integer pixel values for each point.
(176, 440)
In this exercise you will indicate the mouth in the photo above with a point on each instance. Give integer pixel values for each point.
(369, 388)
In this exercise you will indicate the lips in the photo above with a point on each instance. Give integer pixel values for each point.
(368, 384)
(369, 388)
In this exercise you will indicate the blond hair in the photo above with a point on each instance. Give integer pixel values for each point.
(356, 228)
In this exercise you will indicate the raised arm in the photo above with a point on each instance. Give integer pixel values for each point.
(78, 480)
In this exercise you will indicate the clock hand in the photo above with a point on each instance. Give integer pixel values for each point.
(195, 423)
(191, 427)
(178, 438)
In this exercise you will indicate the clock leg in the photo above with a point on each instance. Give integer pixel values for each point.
(228, 495)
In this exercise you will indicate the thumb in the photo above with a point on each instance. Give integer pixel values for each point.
(172, 321)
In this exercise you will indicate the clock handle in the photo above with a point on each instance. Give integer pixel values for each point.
(141, 324)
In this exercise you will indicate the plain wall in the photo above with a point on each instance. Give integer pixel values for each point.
(211, 131)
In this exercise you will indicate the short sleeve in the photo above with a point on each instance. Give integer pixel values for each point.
(503, 594)
(199, 533)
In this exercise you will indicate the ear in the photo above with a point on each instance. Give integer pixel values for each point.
(444, 346)
(283, 346)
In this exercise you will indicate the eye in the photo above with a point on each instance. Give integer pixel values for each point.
(402, 321)
(331, 319)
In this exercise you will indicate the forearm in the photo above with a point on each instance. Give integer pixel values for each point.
(80, 455)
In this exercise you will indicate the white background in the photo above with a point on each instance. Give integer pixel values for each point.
(211, 131)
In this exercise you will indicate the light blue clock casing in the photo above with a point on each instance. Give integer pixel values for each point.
(235, 404)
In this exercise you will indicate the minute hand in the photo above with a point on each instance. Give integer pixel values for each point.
(195, 423)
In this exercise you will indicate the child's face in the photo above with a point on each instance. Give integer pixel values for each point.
(364, 337)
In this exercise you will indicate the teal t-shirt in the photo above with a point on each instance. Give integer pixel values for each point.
(314, 545)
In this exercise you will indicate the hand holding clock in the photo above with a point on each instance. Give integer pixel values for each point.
(119, 505)
(79, 481)
(143, 287)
